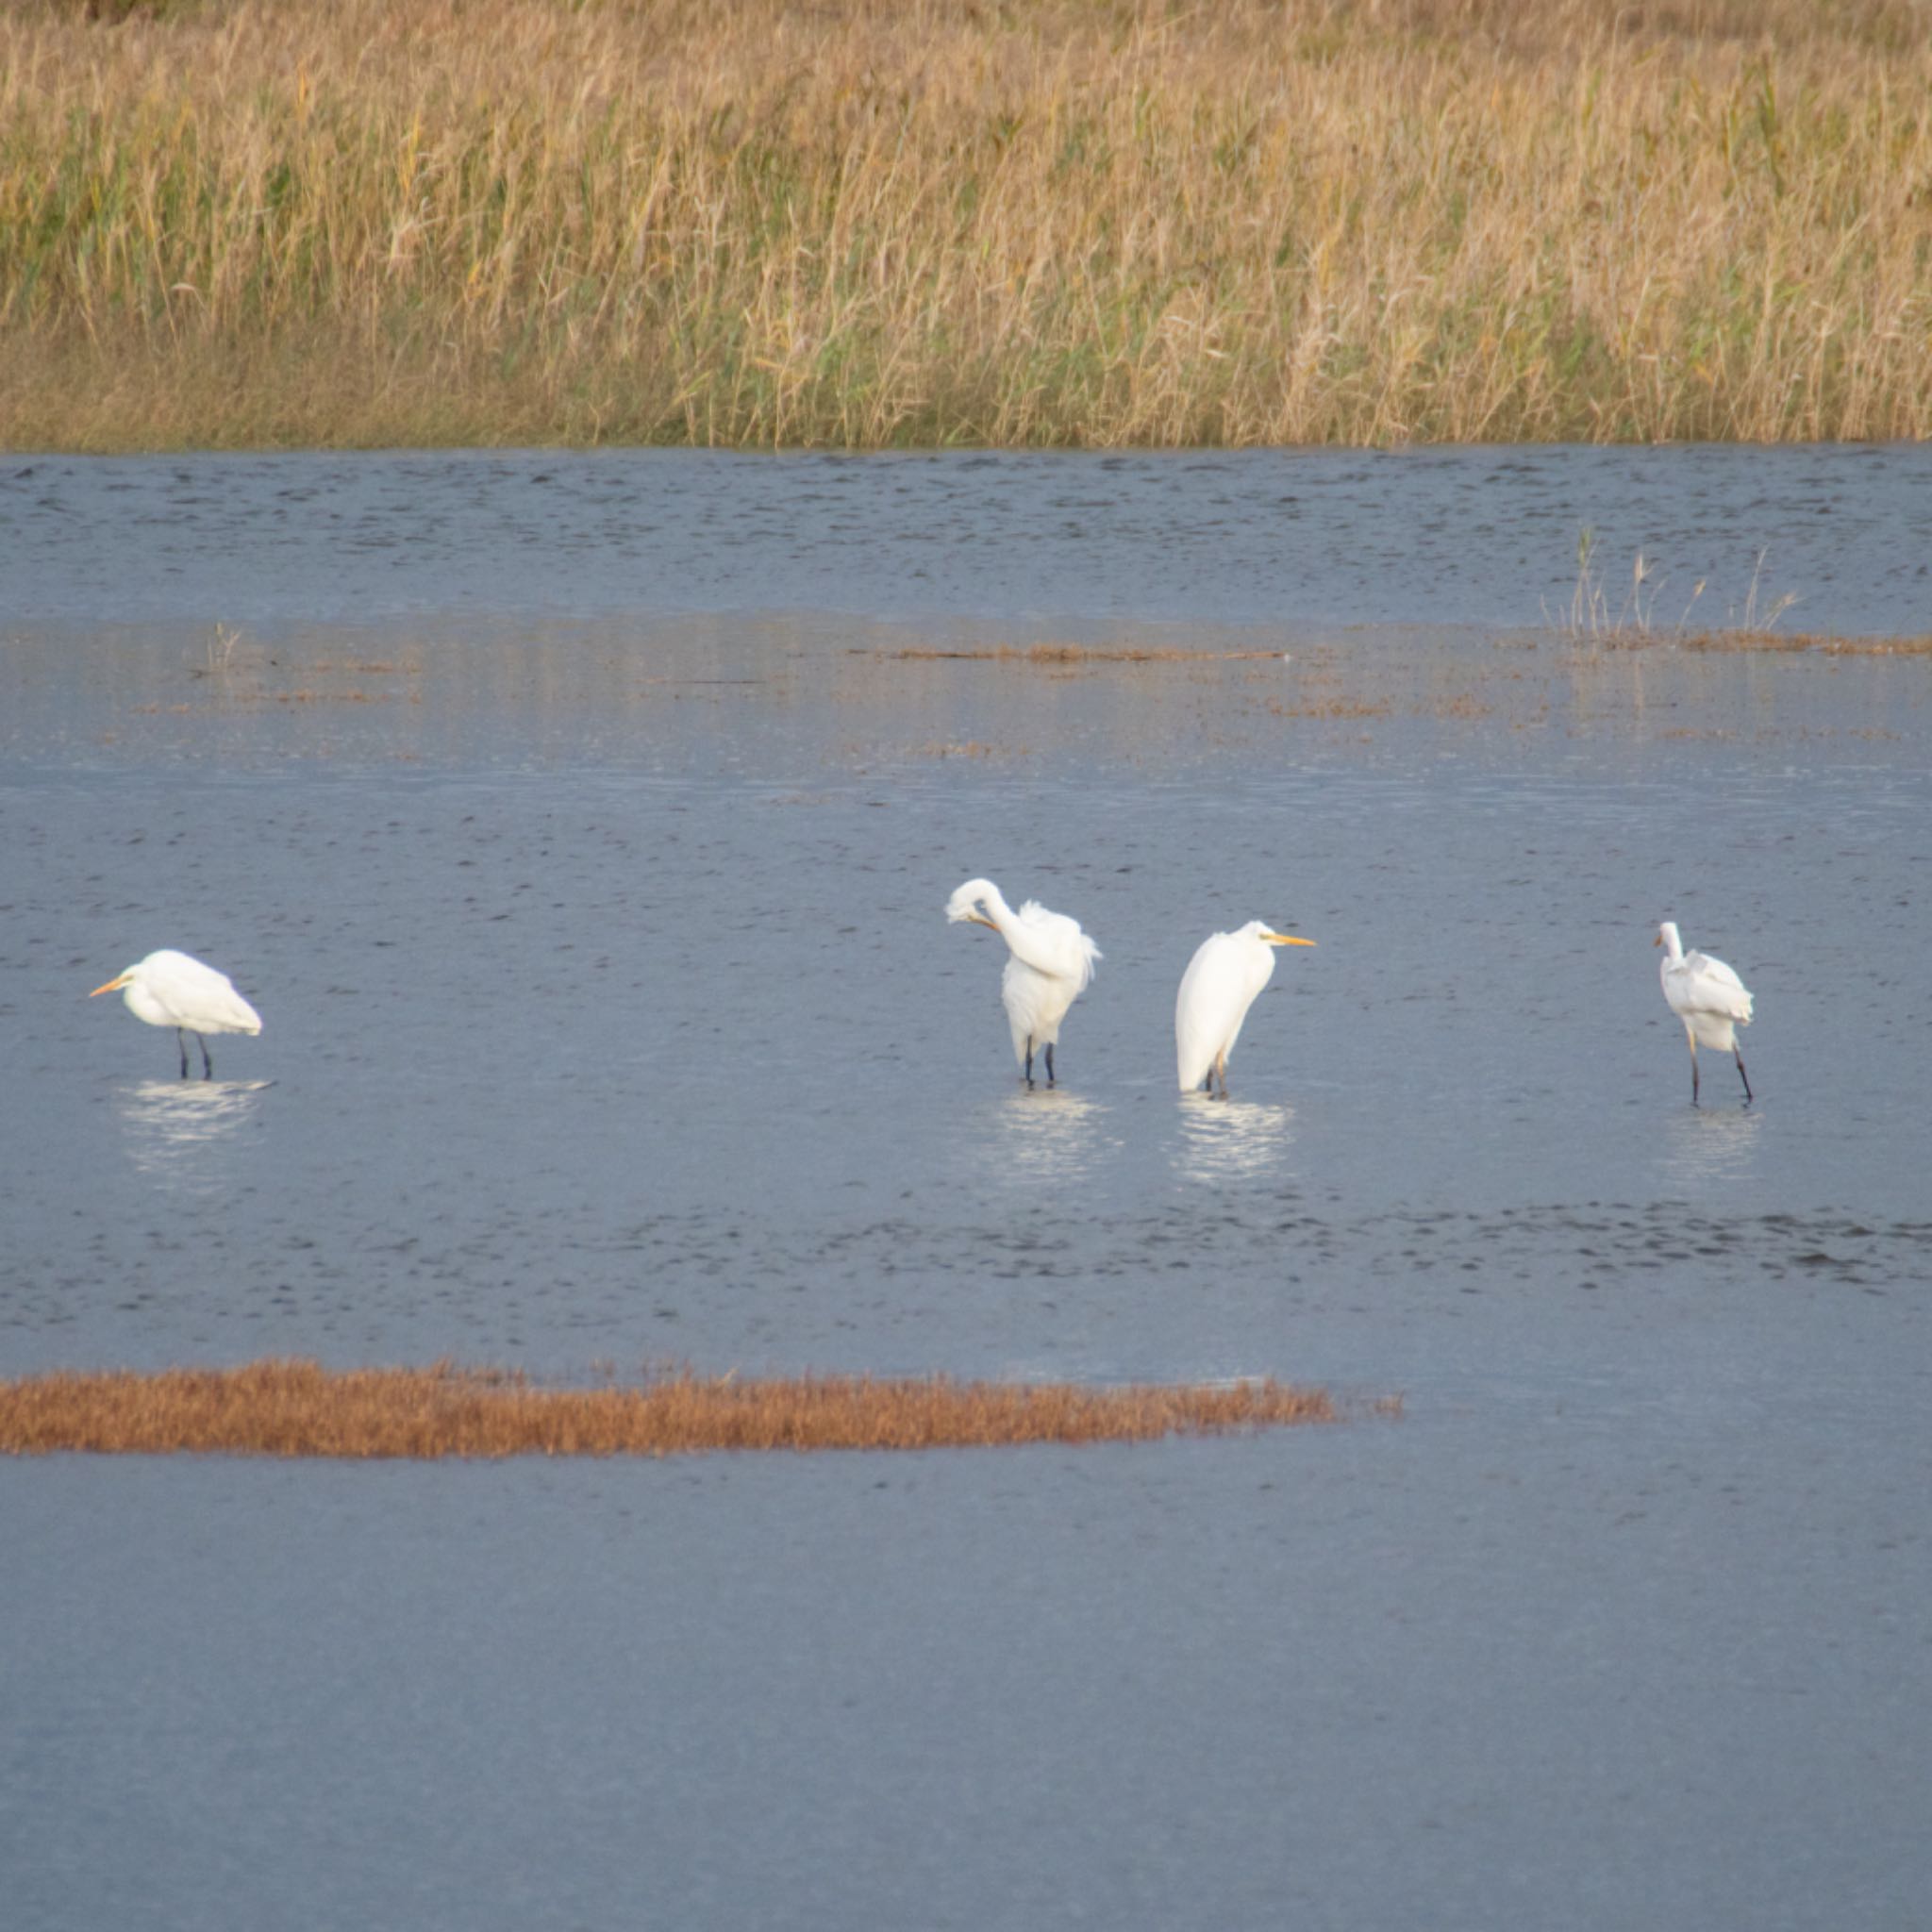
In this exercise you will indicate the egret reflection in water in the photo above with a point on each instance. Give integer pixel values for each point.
(1224, 1141)
(1711, 1144)
(1048, 1134)
(178, 1130)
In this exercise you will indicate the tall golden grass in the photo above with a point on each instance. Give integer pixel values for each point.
(868, 223)
(300, 1408)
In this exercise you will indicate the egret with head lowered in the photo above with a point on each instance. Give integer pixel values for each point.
(1708, 997)
(1223, 980)
(170, 989)
(1050, 963)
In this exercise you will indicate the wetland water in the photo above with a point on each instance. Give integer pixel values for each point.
(580, 827)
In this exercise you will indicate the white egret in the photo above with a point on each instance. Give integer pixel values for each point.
(1050, 965)
(1708, 997)
(1222, 982)
(170, 989)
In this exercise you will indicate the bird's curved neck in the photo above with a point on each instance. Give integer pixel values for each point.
(999, 914)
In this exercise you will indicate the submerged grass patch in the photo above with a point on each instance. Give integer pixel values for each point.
(1807, 641)
(1781, 642)
(300, 1408)
(865, 224)
(1054, 656)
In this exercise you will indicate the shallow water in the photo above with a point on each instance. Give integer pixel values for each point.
(1449, 536)
(580, 827)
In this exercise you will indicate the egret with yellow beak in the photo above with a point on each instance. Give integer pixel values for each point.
(169, 988)
(1223, 980)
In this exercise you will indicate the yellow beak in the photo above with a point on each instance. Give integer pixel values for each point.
(112, 986)
(1284, 939)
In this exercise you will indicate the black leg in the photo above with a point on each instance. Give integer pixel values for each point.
(1742, 1074)
(1694, 1076)
(1049, 1066)
(207, 1066)
(181, 1040)
(1029, 1060)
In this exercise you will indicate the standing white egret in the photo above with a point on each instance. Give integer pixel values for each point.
(1708, 997)
(1050, 965)
(169, 988)
(1223, 980)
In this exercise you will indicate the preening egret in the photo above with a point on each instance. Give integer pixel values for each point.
(169, 988)
(1050, 965)
(1708, 997)
(1222, 982)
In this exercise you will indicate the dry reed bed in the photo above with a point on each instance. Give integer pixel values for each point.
(1787, 643)
(286, 222)
(300, 1408)
(1808, 641)
(1059, 656)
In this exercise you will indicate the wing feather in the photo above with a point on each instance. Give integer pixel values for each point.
(1053, 943)
(1704, 984)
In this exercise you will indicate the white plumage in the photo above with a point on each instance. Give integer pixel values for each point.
(1223, 980)
(1708, 997)
(170, 989)
(1050, 964)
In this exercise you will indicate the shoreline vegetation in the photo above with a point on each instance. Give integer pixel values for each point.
(267, 223)
(298, 1409)
(1612, 634)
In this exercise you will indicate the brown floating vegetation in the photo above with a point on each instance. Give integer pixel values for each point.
(1781, 642)
(278, 1408)
(863, 222)
(1804, 640)
(1336, 709)
(1053, 656)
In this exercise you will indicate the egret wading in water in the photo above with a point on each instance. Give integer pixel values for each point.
(1708, 997)
(1223, 980)
(169, 988)
(1050, 964)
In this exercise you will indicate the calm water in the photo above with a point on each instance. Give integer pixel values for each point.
(580, 827)
(1485, 536)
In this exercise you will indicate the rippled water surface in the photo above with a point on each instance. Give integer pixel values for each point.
(581, 826)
